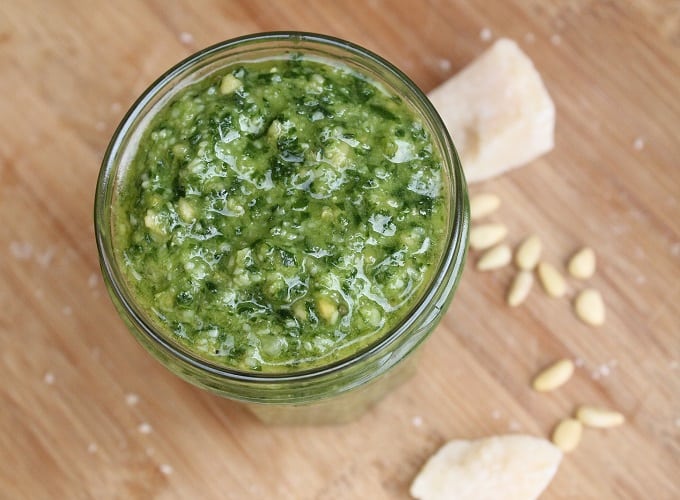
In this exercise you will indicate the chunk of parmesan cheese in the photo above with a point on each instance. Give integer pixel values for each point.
(498, 112)
(512, 467)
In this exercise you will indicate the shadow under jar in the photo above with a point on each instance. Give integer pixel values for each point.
(282, 219)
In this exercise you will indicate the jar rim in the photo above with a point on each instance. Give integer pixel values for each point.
(452, 254)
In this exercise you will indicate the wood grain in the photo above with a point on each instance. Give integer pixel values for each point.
(69, 71)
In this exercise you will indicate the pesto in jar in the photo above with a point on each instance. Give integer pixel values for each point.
(280, 215)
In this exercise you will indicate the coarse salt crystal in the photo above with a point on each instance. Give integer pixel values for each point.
(49, 378)
(417, 421)
(444, 64)
(166, 469)
(144, 428)
(46, 257)
(21, 251)
(131, 399)
(638, 144)
(485, 34)
(619, 229)
(92, 448)
(92, 280)
(186, 38)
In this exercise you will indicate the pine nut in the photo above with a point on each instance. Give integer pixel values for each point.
(230, 84)
(495, 258)
(483, 204)
(554, 376)
(487, 235)
(589, 307)
(567, 434)
(520, 287)
(551, 279)
(592, 416)
(528, 253)
(582, 264)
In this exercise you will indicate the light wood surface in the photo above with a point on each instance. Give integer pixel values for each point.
(68, 428)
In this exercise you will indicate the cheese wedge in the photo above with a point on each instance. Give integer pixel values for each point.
(498, 112)
(512, 467)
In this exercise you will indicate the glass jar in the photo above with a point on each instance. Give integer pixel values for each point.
(336, 392)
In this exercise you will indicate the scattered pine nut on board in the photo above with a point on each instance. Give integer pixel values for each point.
(495, 258)
(498, 112)
(528, 253)
(589, 307)
(520, 288)
(554, 376)
(482, 205)
(582, 264)
(551, 279)
(567, 434)
(594, 416)
(485, 236)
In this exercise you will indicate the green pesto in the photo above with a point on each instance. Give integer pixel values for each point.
(280, 215)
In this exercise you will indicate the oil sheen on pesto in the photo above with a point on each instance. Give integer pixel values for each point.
(281, 215)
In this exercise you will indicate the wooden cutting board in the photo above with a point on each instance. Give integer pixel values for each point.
(86, 413)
